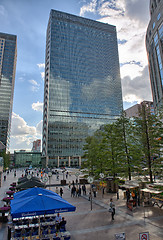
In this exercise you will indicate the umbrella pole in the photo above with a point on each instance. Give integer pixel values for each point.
(39, 228)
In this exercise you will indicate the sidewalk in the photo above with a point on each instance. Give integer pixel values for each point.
(5, 187)
(84, 224)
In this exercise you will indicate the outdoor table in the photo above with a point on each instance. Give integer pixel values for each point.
(10, 192)
(13, 184)
(4, 209)
(7, 199)
(12, 188)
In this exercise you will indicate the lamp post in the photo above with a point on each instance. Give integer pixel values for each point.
(90, 180)
(49, 175)
(77, 175)
(63, 171)
(102, 176)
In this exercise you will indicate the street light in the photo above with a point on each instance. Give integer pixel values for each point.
(49, 175)
(90, 180)
(77, 175)
(102, 176)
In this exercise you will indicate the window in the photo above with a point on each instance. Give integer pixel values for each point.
(158, 16)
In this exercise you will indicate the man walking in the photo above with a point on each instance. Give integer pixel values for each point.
(112, 207)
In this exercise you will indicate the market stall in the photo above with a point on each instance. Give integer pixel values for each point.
(34, 215)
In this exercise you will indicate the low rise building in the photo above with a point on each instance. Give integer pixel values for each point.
(26, 159)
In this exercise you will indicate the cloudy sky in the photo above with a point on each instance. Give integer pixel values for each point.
(28, 20)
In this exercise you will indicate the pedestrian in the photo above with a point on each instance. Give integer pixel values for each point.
(117, 194)
(79, 191)
(58, 219)
(74, 191)
(61, 192)
(4, 177)
(69, 184)
(112, 208)
(76, 181)
(57, 190)
(90, 195)
(84, 189)
(94, 192)
(128, 195)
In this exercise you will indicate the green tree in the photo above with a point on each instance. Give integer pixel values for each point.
(129, 146)
(149, 130)
(111, 149)
(6, 159)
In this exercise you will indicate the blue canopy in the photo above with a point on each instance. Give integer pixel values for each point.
(39, 205)
(34, 191)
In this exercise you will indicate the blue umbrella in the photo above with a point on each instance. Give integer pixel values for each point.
(39, 205)
(33, 191)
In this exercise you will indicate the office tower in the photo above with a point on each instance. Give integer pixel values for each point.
(154, 46)
(82, 89)
(8, 57)
(134, 110)
(36, 146)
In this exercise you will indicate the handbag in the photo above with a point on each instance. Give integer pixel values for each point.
(110, 209)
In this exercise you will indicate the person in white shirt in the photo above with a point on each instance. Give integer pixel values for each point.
(58, 219)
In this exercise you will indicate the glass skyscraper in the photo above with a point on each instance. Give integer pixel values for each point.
(154, 46)
(82, 88)
(8, 57)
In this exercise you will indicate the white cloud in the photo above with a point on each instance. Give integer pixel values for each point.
(41, 65)
(43, 75)
(39, 127)
(131, 18)
(137, 89)
(138, 10)
(90, 7)
(132, 70)
(22, 135)
(33, 82)
(2, 10)
(37, 106)
(20, 127)
(35, 86)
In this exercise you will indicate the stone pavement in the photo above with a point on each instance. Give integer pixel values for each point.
(84, 224)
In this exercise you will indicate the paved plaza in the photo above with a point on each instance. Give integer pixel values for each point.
(87, 224)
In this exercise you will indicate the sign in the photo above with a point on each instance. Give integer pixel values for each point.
(101, 175)
(144, 236)
(45, 179)
(77, 174)
(49, 174)
(90, 179)
(29, 177)
(120, 236)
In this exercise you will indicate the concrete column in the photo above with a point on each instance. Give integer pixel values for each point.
(80, 161)
(58, 161)
(69, 161)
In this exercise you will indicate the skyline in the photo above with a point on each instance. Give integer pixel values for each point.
(29, 22)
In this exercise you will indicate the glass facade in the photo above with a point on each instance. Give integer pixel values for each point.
(8, 56)
(25, 159)
(154, 45)
(82, 84)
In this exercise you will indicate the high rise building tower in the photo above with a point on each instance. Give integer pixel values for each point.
(82, 89)
(154, 46)
(36, 146)
(8, 57)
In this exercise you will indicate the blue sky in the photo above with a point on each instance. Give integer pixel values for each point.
(28, 20)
